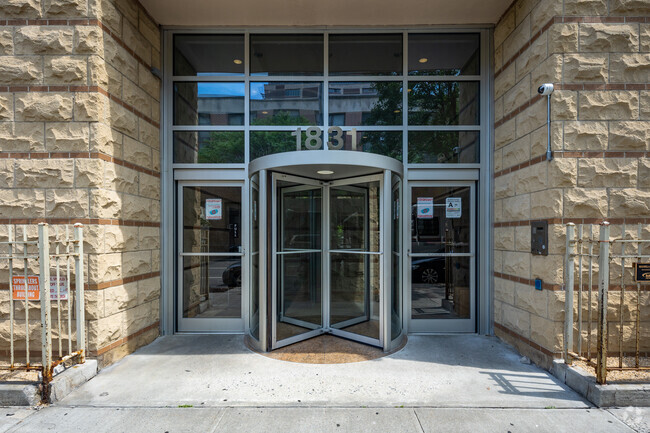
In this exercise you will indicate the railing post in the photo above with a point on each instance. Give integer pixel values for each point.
(10, 236)
(44, 271)
(603, 287)
(79, 285)
(569, 268)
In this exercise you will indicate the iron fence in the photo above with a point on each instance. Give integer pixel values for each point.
(58, 258)
(613, 306)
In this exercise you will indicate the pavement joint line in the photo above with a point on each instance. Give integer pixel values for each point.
(202, 406)
(216, 425)
(418, 418)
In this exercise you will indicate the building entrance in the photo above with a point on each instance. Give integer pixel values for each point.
(326, 259)
(326, 249)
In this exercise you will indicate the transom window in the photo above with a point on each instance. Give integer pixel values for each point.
(412, 96)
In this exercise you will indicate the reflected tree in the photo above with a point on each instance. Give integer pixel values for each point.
(228, 146)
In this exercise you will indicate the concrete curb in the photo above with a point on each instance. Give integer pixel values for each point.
(72, 377)
(64, 382)
(601, 395)
(20, 394)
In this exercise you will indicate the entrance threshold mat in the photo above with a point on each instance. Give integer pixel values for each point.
(327, 349)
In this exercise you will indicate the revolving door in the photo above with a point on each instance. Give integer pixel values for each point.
(326, 257)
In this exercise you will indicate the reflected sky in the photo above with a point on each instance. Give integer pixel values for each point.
(221, 89)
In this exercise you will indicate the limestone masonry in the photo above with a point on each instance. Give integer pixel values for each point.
(79, 134)
(80, 142)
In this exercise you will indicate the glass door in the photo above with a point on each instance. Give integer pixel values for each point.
(354, 249)
(297, 259)
(209, 295)
(442, 257)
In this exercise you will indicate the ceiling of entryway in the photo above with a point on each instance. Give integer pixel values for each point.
(245, 13)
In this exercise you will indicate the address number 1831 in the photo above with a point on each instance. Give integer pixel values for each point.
(313, 141)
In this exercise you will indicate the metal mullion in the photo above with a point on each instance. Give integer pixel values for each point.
(211, 254)
(361, 128)
(210, 166)
(446, 28)
(365, 78)
(384, 268)
(207, 78)
(276, 128)
(326, 91)
(367, 253)
(325, 258)
(284, 253)
(444, 78)
(471, 254)
(169, 277)
(291, 78)
(405, 54)
(274, 260)
(247, 98)
(459, 128)
(483, 216)
(418, 169)
(199, 128)
(263, 250)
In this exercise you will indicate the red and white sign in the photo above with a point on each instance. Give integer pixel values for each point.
(425, 208)
(33, 288)
(213, 209)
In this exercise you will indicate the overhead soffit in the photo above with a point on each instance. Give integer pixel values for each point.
(370, 13)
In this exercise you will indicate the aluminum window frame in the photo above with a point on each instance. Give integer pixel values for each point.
(172, 172)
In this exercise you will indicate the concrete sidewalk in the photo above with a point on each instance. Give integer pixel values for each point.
(315, 420)
(213, 383)
(220, 371)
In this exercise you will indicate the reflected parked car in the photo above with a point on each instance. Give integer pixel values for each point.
(428, 270)
(232, 275)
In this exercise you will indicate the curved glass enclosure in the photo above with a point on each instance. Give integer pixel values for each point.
(325, 249)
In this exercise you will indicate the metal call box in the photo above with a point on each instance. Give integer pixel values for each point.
(539, 238)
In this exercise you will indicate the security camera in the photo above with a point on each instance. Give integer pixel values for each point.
(545, 89)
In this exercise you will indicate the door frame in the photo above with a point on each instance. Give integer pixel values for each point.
(440, 326)
(303, 183)
(212, 325)
(325, 257)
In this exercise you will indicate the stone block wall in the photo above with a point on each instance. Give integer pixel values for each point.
(597, 54)
(79, 142)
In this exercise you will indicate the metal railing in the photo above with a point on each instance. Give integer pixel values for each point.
(609, 259)
(62, 253)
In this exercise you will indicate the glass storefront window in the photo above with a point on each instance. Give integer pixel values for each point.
(443, 147)
(296, 54)
(269, 142)
(444, 54)
(369, 54)
(286, 103)
(201, 103)
(365, 103)
(209, 147)
(201, 55)
(443, 103)
(387, 143)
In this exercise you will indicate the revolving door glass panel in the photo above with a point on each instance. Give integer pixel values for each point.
(299, 261)
(327, 260)
(354, 259)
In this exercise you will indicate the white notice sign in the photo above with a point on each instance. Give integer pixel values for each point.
(425, 207)
(453, 207)
(213, 209)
